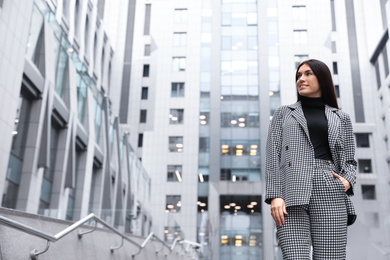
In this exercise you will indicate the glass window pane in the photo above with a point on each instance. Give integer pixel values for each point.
(176, 116)
(368, 192)
(362, 140)
(364, 166)
(174, 173)
(177, 89)
(175, 144)
(179, 64)
(173, 203)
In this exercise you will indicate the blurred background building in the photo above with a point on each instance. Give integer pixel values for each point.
(154, 114)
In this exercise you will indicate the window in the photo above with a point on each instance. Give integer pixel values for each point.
(70, 207)
(204, 117)
(204, 144)
(378, 74)
(180, 15)
(251, 19)
(76, 17)
(203, 174)
(234, 175)
(299, 12)
(337, 90)
(385, 60)
(95, 44)
(300, 36)
(364, 166)
(240, 147)
(102, 67)
(146, 71)
(147, 19)
(335, 68)
(147, 50)
(179, 39)
(65, 8)
(86, 38)
(144, 93)
(235, 120)
(334, 49)
(202, 204)
(178, 64)
(362, 140)
(142, 116)
(62, 75)
(176, 144)
(177, 89)
(299, 58)
(15, 163)
(173, 203)
(48, 175)
(176, 116)
(333, 15)
(174, 173)
(368, 192)
(140, 140)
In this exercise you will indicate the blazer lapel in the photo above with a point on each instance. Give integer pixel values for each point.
(333, 126)
(297, 113)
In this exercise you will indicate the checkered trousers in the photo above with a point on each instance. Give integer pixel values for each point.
(321, 224)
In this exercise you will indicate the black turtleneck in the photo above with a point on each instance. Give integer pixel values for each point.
(317, 123)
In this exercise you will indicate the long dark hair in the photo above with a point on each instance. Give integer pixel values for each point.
(324, 77)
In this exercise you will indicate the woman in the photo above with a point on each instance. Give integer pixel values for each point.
(311, 170)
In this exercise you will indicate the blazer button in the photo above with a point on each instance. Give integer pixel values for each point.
(289, 164)
(286, 147)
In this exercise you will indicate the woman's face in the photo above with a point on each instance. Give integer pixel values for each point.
(307, 82)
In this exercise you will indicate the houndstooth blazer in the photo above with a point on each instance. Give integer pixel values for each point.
(290, 153)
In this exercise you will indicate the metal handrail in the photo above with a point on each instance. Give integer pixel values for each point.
(35, 232)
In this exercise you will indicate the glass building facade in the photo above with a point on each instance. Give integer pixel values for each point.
(69, 155)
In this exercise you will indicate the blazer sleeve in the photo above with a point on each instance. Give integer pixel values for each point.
(273, 154)
(348, 170)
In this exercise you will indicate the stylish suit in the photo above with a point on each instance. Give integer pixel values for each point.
(290, 153)
(316, 202)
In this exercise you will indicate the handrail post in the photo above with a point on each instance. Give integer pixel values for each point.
(143, 244)
(80, 234)
(116, 247)
(34, 253)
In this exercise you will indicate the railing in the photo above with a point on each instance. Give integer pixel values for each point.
(32, 231)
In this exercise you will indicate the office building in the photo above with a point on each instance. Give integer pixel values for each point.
(207, 75)
(154, 114)
(63, 151)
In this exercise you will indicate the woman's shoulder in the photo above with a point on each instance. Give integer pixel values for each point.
(342, 114)
(286, 108)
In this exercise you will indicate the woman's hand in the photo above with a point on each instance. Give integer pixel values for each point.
(278, 210)
(345, 182)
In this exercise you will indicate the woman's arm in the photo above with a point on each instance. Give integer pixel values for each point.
(273, 150)
(348, 170)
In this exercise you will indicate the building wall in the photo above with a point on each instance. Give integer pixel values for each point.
(157, 128)
(65, 154)
(14, 24)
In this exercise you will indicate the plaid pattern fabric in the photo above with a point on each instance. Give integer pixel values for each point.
(321, 224)
(290, 154)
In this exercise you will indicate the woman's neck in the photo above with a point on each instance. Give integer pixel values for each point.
(312, 101)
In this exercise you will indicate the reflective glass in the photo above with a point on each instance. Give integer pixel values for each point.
(35, 37)
(61, 73)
